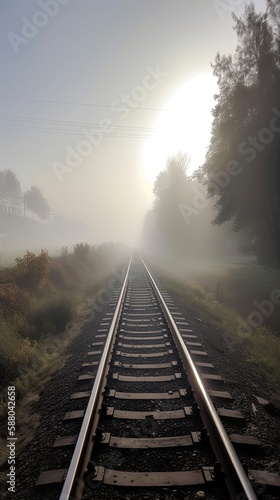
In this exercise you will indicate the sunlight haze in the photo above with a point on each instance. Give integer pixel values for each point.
(184, 125)
(107, 70)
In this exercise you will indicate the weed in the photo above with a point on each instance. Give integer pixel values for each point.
(261, 348)
(51, 315)
(32, 271)
(81, 251)
(13, 300)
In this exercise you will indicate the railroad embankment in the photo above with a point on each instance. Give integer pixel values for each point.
(43, 303)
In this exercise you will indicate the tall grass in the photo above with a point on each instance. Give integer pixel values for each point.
(262, 347)
(38, 299)
(52, 314)
(14, 352)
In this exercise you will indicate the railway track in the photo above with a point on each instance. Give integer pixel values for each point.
(153, 411)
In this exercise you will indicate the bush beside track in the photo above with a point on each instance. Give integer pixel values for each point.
(39, 299)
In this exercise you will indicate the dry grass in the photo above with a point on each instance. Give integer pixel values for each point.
(52, 314)
(13, 300)
(48, 357)
(38, 320)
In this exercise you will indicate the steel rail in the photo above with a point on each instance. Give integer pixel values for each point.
(234, 474)
(94, 402)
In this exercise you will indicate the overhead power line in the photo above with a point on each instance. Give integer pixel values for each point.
(69, 123)
(78, 103)
(68, 127)
(64, 132)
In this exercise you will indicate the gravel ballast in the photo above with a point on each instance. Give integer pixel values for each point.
(241, 378)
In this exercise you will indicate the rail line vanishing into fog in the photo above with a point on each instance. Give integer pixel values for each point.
(145, 344)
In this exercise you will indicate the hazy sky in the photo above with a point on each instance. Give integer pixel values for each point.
(83, 83)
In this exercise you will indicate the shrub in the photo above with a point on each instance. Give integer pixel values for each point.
(52, 315)
(58, 276)
(64, 252)
(7, 274)
(81, 251)
(14, 351)
(13, 301)
(32, 271)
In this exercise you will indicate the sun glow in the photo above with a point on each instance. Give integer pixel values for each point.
(184, 126)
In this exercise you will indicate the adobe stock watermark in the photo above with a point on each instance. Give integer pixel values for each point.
(103, 297)
(255, 319)
(121, 107)
(31, 27)
(226, 7)
(222, 179)
(11, 438)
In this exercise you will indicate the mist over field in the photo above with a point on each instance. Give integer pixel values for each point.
(139, 249)
(115, 128)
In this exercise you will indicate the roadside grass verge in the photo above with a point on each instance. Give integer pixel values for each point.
(261, 347)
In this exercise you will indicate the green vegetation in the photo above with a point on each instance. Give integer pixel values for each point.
(237, 187)
(241, 170)
(180, 220)
(52, 314)
(261, 346)
(28, 365)
(39, 302)
(240, 286)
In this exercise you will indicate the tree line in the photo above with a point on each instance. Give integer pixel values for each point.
(11, 195)
(179, 223)
(245, 142)
(241, 172)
